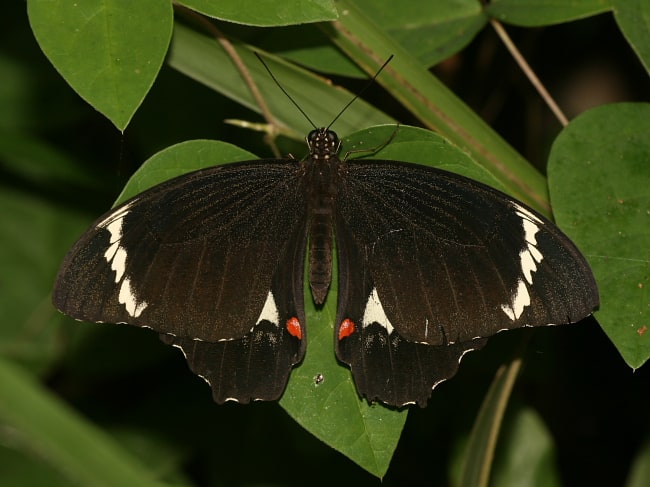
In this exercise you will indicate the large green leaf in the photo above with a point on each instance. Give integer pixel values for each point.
(640, 470)
(109, 51)
(532, 13)
(599, 179)
(180, 159)
(479, 454)
(265, 12)
(43, 425)
(201, 58)
(633, 17)
(34, 235)
(526, 454)
(430, 31)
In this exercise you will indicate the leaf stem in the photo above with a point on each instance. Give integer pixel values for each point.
(528, 71)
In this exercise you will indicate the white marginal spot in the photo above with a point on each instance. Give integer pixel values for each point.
(529, 257)
(117, 256)
(269, 311)
(374, 313)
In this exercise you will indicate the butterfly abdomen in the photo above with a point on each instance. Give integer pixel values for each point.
(321, 223)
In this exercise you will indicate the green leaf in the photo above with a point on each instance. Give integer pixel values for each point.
(420, 146)
(430, 31)
(599, 179)
(315, 95)
(31, 159)
(179, 159)
(314, 51)
(533, 13)
(78, 450)
(331, 410)
(109, 51)
(633, 17)
(23, 468)
(526, 454)
(34, 234)
(482, 443)
(265, 13)
(640, 470)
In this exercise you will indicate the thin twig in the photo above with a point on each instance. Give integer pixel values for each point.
(243, 71)
(525, 67)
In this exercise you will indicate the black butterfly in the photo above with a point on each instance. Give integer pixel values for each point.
(430, 264)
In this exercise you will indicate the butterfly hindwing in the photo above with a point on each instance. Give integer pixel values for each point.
(443, 261)
(385, 366)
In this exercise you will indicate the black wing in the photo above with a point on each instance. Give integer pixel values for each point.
(257, 366)
(202, 258)
(431, 263)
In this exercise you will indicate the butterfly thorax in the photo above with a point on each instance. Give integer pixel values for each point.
(322, 166)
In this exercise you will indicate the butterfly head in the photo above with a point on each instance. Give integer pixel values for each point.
(323, 144)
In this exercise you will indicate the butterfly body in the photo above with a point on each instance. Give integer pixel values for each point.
(323, 167)
(430, 264)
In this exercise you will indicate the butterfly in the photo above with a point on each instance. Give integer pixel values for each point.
(430, 264)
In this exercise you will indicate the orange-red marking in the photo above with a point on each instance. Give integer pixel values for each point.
(293, 327)
(346, 329)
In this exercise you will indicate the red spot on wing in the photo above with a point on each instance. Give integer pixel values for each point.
(642, 330)
(293, 327)
(346, 329)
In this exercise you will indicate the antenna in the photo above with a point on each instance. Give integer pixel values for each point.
(370, 82)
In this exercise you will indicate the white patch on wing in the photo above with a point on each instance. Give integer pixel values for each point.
(117, 256)
(374, 313)
(529, 257)
(118, 263)
(269, 311)
(520, 300)
(128, 298)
